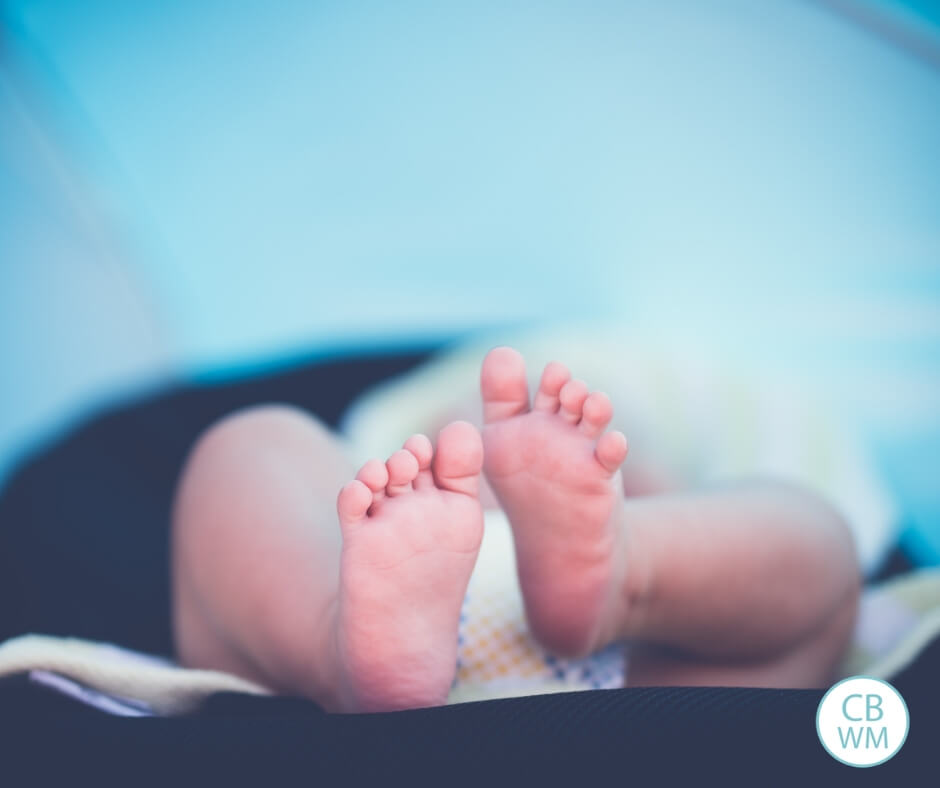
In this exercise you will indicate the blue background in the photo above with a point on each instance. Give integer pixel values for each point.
(195, 188)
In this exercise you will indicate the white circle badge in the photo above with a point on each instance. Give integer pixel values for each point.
(862, 721)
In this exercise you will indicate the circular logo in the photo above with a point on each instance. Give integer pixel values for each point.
(862, 721)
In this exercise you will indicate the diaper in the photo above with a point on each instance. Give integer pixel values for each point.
(496, 654)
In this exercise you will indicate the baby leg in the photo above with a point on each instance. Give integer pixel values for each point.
(750, 583)
(353, 601)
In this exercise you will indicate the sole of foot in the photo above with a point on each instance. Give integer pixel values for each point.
(412, 528)
(555, 472)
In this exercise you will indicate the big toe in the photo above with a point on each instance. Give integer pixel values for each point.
(459, 458)
(503, 384)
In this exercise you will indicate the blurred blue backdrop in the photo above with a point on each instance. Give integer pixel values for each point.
(191, 186)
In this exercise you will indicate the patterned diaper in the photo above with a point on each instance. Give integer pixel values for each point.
(496, 655)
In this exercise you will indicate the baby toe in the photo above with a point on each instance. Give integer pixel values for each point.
(459, 458)
(554, 377)
(353, 503)
(402, 469)
(503, 384)
(374, 475)
(420, 446)
(572, 397)
(596, 414)
(611, 450)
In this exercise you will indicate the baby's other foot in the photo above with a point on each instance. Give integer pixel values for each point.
(555, 473)
(411, 533)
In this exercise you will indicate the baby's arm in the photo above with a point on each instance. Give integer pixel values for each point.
(754, 583)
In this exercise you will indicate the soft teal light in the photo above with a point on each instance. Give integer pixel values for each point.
(763, 177)
(319, 167)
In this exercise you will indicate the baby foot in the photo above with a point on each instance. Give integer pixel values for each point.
(556, 477)
(411, 533)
